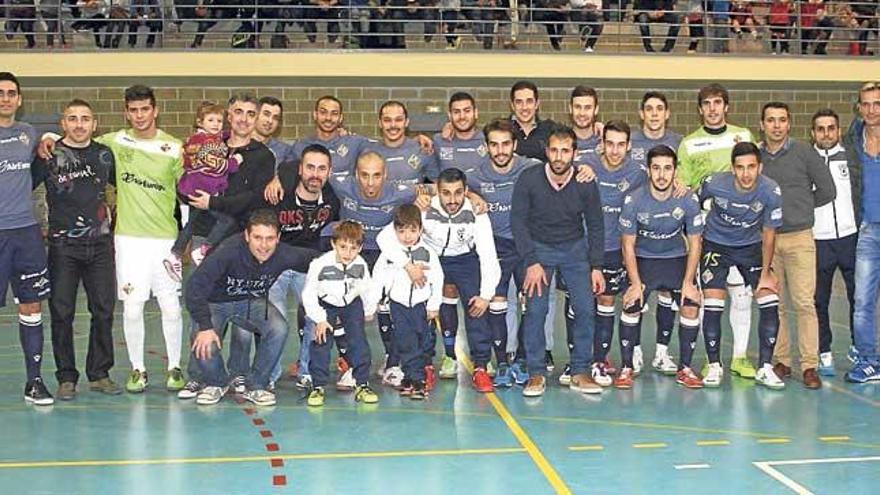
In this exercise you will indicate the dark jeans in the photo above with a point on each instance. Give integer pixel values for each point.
(223, 225)
(463, 272)
(330, 14)
(410, 337)
(89, 260)
(832, 255)
(350, 317)
(589, 26)
(673, 20)
(26, 26)
(254, 316)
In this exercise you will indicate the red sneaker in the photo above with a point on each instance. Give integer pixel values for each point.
(482, 382)
(341, 365)
(624, 379)
(609, 367)
(430, 379)
(688, 378)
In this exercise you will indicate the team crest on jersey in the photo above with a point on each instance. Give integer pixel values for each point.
(624, 223)
(756, 206)
(707, 276)
(623, 185)
(446, 153)
(644, 218)
(844, 170)
(165, 147)
(24, 139)
(677, 213)
(721, 202)
(128, 288)
(387, 208)
(487, 187)
(481, 150)
(413, 162)
(342, 150)
(460, 234)
(350, 204)
(638, 154)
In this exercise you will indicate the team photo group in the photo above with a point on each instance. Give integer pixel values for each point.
(325, 241)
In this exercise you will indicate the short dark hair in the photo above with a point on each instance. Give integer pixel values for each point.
(462, 96)
(78, 102)
(653, 94)
(825, 112)
(777, 105)
(272, 102)
(617, 126)
(265, 217)
(499, 125)
(523, 85)
(408, 215)
(393, 103)
(328, 98)
(745, 148)
(662, 150)
(316, 148)
(139, 92)
(9, 76)
(711, 90)
(451, 176)
(562, 131)
(243, 98)
(581, 90)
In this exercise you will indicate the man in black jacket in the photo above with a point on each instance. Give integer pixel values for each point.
(648, 11)
(232, 286)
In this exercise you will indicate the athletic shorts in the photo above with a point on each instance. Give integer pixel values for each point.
(139, 268)
(717, 261)
(23, 265)
(662, 274)
(613, 271)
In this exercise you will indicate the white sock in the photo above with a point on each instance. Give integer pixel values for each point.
(740, 318)
(172, 328)
(133, 328)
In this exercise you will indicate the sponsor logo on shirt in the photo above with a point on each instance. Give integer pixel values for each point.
(13, 166)
(130, 178)
(446, 153)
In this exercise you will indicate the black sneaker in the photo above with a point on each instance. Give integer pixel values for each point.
(35, 392)
(548, 361)
(406, 387)
(418, 391)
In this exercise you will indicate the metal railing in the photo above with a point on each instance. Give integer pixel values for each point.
(614, 26)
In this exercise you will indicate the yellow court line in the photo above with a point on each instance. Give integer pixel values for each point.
(841, 438)
(522, 437)
(258, 458)
(655, 445)
(774, 440)
(581, 448)
(651, 426)
(856, 444)
(850, 393)
(710, 443)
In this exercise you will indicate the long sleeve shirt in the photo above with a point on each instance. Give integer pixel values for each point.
(392, 279)
(330, 282)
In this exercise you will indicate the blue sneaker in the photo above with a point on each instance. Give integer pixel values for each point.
(863, 372)
(852, 354)
(503, 376)
(520, 375)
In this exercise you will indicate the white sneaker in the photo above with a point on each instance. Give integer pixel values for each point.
(490, 369)
(714, 374)
(211, 395)
(304, 382)
(663, 361)
(198, 254)
(565, 377)
(190, 390)
(766, 377)
(588, 49)
(174, 267)
(638, 360)
(393, 376)
(346, 381)
(237, 385)
(600, 376)
(260, 397)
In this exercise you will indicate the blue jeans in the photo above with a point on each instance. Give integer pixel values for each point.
(248, 316)
(867, 285)
(570, 259)
(291, 281)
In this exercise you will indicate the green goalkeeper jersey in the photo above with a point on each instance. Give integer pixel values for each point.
(702, 153)
(147, 171)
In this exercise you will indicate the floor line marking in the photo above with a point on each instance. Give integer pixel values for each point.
(654, 445)
(711, 443)
(653, 426)
(785, 480)
(261, 458)
(768, 468)
(521, 436)
(582, 448)
(841, 438)
(774, 440)
(691, 466)
(856, 444)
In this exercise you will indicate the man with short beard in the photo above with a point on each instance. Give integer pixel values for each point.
(583, 109)
(654, 113)
(405, 161)
(466, 147)
(344, 148)
(270, 115)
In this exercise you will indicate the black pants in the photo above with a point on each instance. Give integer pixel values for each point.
(830, 256)
(589, 26)
(331, 15)
(26, 26)
(674, 22)
(89, 260)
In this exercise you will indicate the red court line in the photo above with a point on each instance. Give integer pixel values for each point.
(265, 433)
(272, 447)
(276, 462)
(279, 480)
(258, 422)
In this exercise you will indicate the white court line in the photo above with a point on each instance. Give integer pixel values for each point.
(692, 466)
(767, 467)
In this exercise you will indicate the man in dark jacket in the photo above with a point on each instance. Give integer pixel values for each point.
(648, 11)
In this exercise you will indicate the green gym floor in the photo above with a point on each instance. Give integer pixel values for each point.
(657, 438)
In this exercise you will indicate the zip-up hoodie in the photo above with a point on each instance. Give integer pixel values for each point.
(232, 273)
(837, 219)
(453, 235)
(333, 283)
(391, 278)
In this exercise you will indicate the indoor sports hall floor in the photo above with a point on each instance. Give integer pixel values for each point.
(657, 438)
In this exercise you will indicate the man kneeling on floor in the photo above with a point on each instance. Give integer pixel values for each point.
(231, 286)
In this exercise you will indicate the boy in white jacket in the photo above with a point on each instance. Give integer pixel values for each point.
(338, 293)
(412, 306)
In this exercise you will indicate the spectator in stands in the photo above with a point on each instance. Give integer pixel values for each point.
(695, 17)
(815, 25)
(865, 17)
(449, 10)
(719, 25)
(649, 11)
(587, 14)
(50, 11)
(322, 10)
(20, 16)
(553, 14)
(93, 17)
(144, 13)
(484, 16)
(781, 19)
(208, 12)
(742, 19)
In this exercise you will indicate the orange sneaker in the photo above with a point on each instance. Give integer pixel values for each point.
(624, 379)
(482, 382)
(688, 378)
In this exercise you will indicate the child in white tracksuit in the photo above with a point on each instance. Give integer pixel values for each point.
(412, 307)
